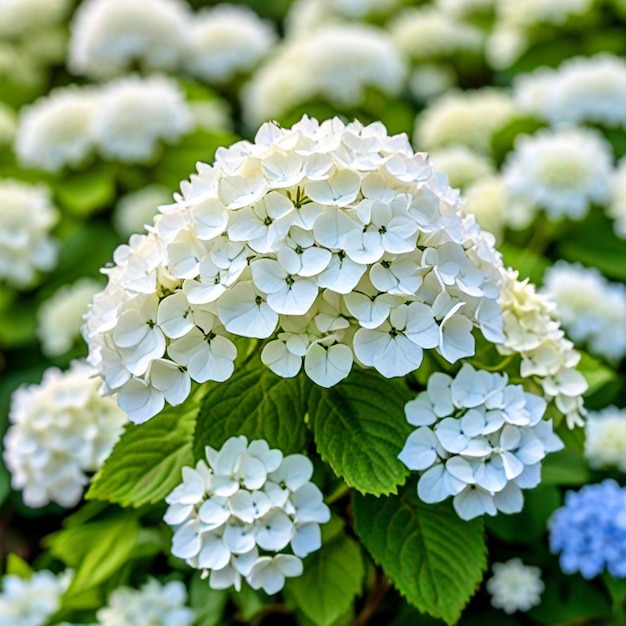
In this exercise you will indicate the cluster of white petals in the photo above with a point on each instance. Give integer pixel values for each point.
(123, 120)
(562, 171)
(427, 32)
(225, 41)
(582, 89)
(469, 118)
(61, 316)
(486, 199)
(19, 18)
(236, 514)
(592, 309)
(59, 430)
(137, 209)
(479, 440)
(153, 603)
(617, 206)
(533, 330)
(109, 37)
(337, 63)
(461, 164)
(336, 243)
(515, 586)
(31, 602)
(26, 218)
(605, 438)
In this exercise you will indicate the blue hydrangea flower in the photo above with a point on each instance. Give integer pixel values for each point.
(590, 530)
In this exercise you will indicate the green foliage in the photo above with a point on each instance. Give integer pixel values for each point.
(17, 566)
(360, 428)
(208, 604)
(85, 192)
(435, 559)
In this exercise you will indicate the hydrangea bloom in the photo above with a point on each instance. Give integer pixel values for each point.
(605, 438)
(20, 17)
(562, 171)
(486, 199)
(336, 63)
(61, 316)
(26, 218)
(461, 165)
(590, 530)
(153, 603)
(533, 330)
(469, 118)
(134, 114)
(479, 440)
(225, 41)
(108, 37)
(55, 131)
(235, 515)
(515, 586)
(592, 309)
(617, 206)
(31, 602)
(59, 430)
(334, 242)
(137, 209)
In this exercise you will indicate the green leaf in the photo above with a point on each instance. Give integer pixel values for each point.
(503, 140)
(256, 403)
(249, 602)
(360, 428)
(208, 604)
(595, 372)
(146, 463)
(434, 558)
(85, 192)
(332, 578)
(17, 566)
(565, 467)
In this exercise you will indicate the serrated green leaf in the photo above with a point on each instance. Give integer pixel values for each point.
(332, 578)
(256, 403)
(360, 428)
(435, 559)
(146, 462)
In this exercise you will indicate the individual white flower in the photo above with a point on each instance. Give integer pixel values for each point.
(108, 37)
(592, 309)
(426, 32)
(605, 438)
(235, 514)
(8, 125)
(226, 41)
(336, 63)
(153, 603)
(59, 430)
(461, 165)
(478, 440)
(486, 199)
(26, 218)
(515, 586)
(332, 242)
(533, 330)
(137, 209)
(582, 89)
(469, 118)
(55, 131)
(134, 114)
(18, 18)
(31, 602)
(61, 316)
(617, 206)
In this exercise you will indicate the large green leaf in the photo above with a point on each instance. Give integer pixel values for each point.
(146, 463)
(434, 558)
(332, 578)
(360, 428)
(85, 192)
(255, 403)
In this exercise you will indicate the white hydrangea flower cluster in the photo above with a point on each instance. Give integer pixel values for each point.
(18, 18)
(515, 586)
(533, 330)
(562, 171)
(461, 164)
(235, 516)
(26, 218)
(617, 206)
(335, 242)
(110, 37)
(605, 438)
(479, 440)
(137, 209)
(59, 430)
(31, 602)
(469, 118)
(123, 120)
(153, 603)
(61, 316)
(336, 63)
(582, 89)
(592, 309)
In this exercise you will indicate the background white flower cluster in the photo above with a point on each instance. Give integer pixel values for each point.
(235, 515)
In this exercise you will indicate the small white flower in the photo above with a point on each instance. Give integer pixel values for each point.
(515, 586)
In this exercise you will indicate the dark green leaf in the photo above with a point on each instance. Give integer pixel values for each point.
(85, 192)
(565, 467)
(208, 604)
